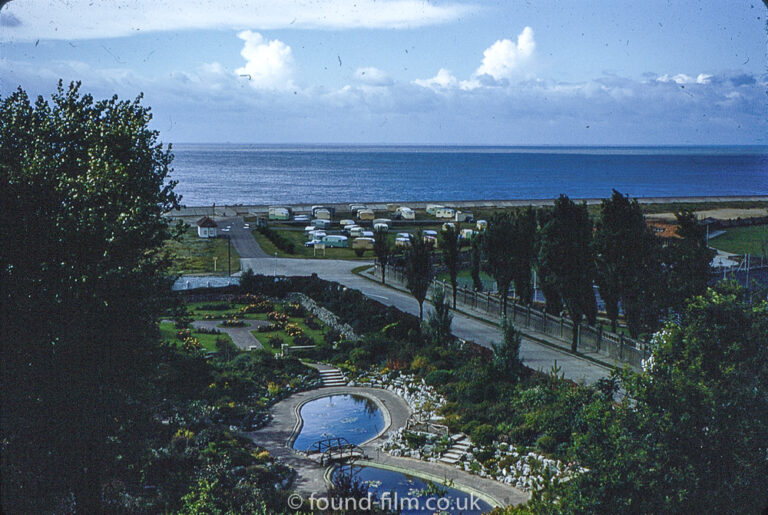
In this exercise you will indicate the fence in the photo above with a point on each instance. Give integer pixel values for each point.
(489, 306)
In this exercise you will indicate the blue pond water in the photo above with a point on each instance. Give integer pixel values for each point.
(353, 417)
(396, 491)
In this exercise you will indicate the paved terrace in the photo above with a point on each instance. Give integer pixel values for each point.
(277, 436)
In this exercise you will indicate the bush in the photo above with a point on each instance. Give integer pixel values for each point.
(275, 341)
(279, 241)
(219, 306)
(546, 444)
(415, 440)
(359, 252)
(360, 357)
(303, 339)
(312, 323)
(484, 434)
(439, 377)
(294, 309)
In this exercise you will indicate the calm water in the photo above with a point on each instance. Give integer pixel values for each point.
(254, 174)
(353, 417)
(385, 483)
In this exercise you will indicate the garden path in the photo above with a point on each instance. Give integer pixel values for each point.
(241, 336)
(310, 475)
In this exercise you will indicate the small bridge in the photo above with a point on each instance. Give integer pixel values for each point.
(335, 450)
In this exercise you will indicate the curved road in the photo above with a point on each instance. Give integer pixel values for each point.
(534, 354)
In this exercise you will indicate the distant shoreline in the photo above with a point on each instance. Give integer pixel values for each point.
(243, 209)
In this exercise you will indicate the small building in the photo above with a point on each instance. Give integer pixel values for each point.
(207, 228)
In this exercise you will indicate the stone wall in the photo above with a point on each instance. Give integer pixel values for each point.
(325, 316)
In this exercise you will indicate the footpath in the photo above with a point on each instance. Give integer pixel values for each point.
(277, 437)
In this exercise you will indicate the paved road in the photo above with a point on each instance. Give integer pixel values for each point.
(534, 354)
(242, 239)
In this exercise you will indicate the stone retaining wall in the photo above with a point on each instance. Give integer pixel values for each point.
(325, 316)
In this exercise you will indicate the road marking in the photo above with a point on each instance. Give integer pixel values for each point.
(378, 296)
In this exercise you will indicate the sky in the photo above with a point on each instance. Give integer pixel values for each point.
(506, 72)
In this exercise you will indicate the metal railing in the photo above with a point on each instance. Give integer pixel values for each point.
(490, 306)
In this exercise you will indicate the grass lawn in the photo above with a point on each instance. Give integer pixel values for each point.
(743, 240)
(193, 255)
(208, 341)
(465, 279)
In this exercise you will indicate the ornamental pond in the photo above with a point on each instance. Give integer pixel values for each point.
(354, 417)
(410, 494)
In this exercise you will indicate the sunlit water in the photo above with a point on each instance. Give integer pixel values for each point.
(404, 491)
(356, 418)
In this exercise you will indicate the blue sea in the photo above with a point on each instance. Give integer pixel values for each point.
(293, 174)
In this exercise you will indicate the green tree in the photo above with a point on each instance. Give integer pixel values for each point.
(523, 252)
(628, 263)
(418, 269)
(476, 256)
(450, 244)
(383, 249)
(84, 184)
(690, 434)
(506, 355)
(438, 325)
(687, 261)
(566, 260)
(497, 249)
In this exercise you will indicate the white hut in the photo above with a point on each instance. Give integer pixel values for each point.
(207, 228)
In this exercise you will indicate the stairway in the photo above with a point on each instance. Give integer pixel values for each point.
(332, 377)
(460, 446)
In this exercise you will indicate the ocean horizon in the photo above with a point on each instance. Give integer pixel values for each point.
(236, 173)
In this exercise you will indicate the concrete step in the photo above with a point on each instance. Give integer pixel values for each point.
(449, 461)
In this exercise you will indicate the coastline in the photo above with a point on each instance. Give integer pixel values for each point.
(245, 209)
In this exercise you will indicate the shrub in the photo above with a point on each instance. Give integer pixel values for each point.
(293, 330)
(484, 434)
(294, 309)
(359, 252)
(275, 341)
(205, 330)
(360, 357)
(303, 339)
(278, 239)
(415, 440)
(312, 323)
(439, 377)
(546, 443)
(267, 328)
(278, 317)
(219, 306)
(233, 322)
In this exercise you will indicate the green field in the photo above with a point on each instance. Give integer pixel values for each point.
(743, 240)
(194, 255)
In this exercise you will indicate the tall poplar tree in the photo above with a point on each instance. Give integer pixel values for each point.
(450, 244)
(566, 260)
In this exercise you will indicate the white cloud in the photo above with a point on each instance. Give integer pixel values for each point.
(86, 19)
(371, 76)
(503, 59)
(443, 80)
(681, 78)
(269, 64)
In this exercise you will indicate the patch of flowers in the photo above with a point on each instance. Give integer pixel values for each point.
(293, 330)
(279, 318)
(233, 322)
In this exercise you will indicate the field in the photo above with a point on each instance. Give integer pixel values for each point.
(743, 240)
(193, 255)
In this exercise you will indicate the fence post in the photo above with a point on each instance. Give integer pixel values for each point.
(488, 301)
(599, 335)
(561, 325)
(528, 317)
(621, 346)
